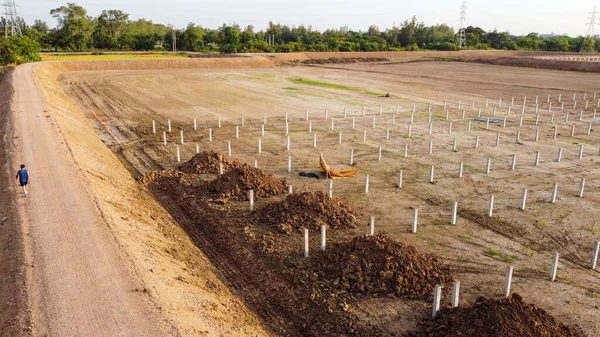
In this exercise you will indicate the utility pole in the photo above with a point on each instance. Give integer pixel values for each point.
(12, 19)
(173, 38)
(461, 40)
(591, 33)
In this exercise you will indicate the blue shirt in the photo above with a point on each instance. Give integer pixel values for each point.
(22, 176)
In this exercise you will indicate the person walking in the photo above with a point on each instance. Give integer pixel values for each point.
(23, 177)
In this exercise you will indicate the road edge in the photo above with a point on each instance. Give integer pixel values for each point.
(15, 316)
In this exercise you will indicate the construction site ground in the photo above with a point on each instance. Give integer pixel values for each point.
(210, 267)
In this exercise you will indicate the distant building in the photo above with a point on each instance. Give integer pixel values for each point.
(545, 36)
(344, 29)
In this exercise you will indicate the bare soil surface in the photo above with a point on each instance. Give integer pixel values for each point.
(121, 105)
(77, 283)
(14, 318)
(593, 67)
(321, 292)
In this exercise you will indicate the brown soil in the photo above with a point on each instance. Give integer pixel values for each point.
(153, 177)
(13, 295)
(236, 182)
(543, 64)
(258, 264)
(207, 163)
(337, 60)
(309, 210)
(179, 63)
(380, 265)
(496, 318)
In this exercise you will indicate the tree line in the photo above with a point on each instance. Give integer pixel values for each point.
(112, 30)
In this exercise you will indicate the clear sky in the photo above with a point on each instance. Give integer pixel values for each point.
(514, 16)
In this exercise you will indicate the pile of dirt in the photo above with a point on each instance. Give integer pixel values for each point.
(235, 183)
(308, 210)
(496, 318)
(335, 60)
(380, 265)
(207, 163)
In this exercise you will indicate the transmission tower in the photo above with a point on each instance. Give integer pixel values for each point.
(591, 33)
(461, 40)
(12, 26)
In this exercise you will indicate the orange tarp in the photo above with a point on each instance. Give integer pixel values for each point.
(335, 174)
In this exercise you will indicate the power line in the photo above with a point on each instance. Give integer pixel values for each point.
(461, 40)
(591, 32)
(173, 37)
(592, 25)
(12, 19)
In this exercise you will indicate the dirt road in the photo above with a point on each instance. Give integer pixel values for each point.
(79, 284)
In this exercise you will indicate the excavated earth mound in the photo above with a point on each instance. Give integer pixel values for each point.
(335, 60)
(488, 317)
(207, 163)
(235, 183)
(309, 210)
(379, 265)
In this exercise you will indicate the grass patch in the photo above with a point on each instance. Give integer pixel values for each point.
(589, 229)
(298, 80)
(591, 293)
(465, 237)
(527, 251)
(539, 223)
(504, 257)
(291, 89)
(105, 57)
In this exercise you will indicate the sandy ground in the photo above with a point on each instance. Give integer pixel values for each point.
(122, 104)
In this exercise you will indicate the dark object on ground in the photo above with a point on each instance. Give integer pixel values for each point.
(495, 318)
(308, 175)
(335, 60)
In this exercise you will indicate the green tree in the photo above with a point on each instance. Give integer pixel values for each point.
(193, 37)
(39, 32)
(230, 39)
(108, 28)
(74, 29)
(143, 35)
(530, 42)
(17, 50)
(409, 32)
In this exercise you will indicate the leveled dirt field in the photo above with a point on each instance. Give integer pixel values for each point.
(258, 255)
